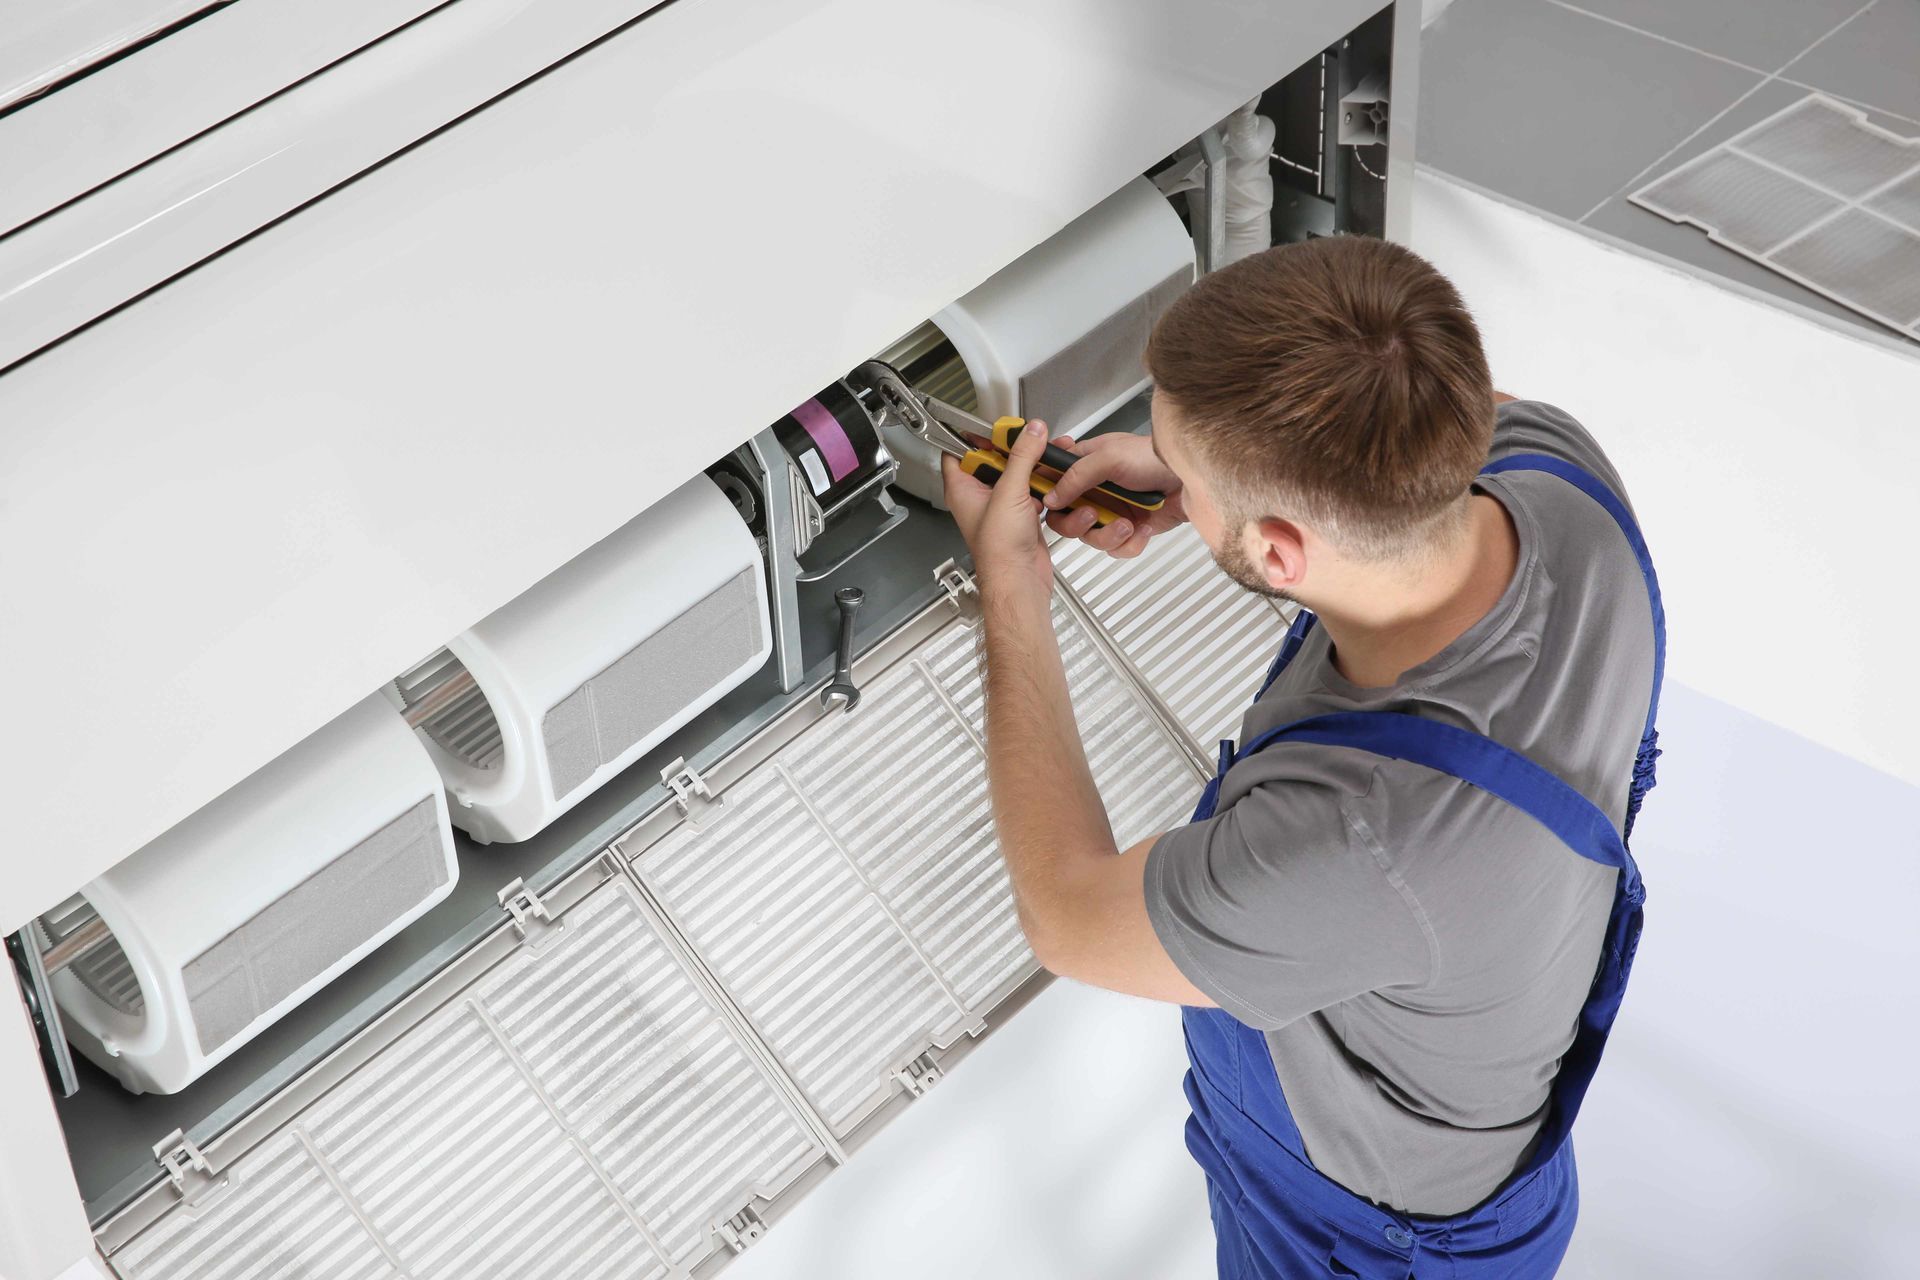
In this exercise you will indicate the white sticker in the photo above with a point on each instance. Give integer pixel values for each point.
(816, 472)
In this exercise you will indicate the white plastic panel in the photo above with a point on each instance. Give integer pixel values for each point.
(581, 1111)
(1818, 194)
(47, 42)
(114, 222)
(513, 309)
(1199, 640)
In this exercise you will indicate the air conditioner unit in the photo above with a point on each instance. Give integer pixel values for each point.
(236, 915)
(579, 676)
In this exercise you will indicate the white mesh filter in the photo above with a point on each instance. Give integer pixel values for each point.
(1901, 202)
(1818, 194)
(783, 917)
(1756, 206)
(581, 1111)
(280, 1217)
(1199, 640)
(851, 896)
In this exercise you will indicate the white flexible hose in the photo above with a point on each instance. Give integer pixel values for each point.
(1249, 184)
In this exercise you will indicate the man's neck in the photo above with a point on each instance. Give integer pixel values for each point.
(1397, 617)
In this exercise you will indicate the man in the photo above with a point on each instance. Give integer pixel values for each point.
(1402, 916)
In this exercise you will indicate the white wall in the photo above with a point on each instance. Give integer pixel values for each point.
(1774, 461)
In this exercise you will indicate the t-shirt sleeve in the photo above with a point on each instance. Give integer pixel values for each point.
(1278, 906)
(1531, 426)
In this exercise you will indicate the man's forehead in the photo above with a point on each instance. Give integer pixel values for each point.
(1162, 414)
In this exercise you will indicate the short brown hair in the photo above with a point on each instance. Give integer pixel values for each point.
(1340, 381)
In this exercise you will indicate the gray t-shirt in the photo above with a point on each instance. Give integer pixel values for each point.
(1416, 950)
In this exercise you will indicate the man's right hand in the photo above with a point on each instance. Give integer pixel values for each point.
(1127, 460)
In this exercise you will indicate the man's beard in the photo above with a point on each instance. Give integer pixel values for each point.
(1233, 561)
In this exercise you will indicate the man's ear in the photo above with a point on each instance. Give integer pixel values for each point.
(1279, 552)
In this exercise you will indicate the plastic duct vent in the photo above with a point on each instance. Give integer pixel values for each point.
(465, 728)
(104, 970)
(655, 680)
(1820, 196)
(301, 934)
(851, 896)
(1083, 382)
(1198, 640)
(580, 1110)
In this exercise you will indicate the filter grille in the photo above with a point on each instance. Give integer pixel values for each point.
(852, 898)
(282, 1219)
(653, 682)
(582, 1111)
(1817, 194)
(1200, 641)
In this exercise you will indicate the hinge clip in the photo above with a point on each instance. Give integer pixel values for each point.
(919, 1075)
(963, 593)
(531, 919)
(691, 795)
(741, 1230)
(189, 1170)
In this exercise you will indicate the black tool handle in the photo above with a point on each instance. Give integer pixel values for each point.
(1006, 430)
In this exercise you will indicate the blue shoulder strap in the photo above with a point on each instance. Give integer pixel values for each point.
(1473, 758)
(1642, 781)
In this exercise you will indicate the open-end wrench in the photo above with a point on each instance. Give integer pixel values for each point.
(842, 691)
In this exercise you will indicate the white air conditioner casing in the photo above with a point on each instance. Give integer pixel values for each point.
(596, 663)
(1059, 332)
(239, 913)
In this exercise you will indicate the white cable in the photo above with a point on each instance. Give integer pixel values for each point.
(1249, 183)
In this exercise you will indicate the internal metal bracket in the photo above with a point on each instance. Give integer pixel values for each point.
(36, 993)
(963, 593)
(190, 1172)
(691, 795)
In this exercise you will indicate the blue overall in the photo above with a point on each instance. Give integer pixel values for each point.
(1274, 1214)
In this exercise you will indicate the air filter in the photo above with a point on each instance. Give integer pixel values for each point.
(1059, 334)
(1817, 194)
(598, 662)
(236, 915)
(1195, 637)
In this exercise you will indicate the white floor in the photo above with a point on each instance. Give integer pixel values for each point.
(1754, 1118)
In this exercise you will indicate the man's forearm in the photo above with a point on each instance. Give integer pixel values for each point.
(1053, 828)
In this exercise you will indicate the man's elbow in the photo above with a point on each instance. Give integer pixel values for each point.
(1051, 935)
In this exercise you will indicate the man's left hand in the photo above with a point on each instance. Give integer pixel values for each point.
(1001, 522)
